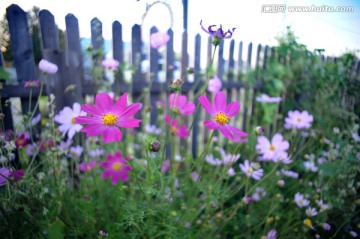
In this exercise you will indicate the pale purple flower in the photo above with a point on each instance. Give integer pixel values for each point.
(36, 120)
(267, 99)
(86, 166)
(353, 234)
(214, 85)
(298, 120)
(66, 119)
(290, 173)
(159, 39)
(326, 226)
(247, 199)
(96, 153)
(274, 150)
(258, 194)
(4, 175)
(322, 206)
(301, 201)
(356, 137)
(151, 129)
(231, 172)
(281, 182)
(47, 67)
(76, 151)
(213, 161)
(195, 176)
(31, 149)
(311, 211)
(310, 166)
(166, 165)
(229, 158)
(248, 169)
(111, 64)
(271, 234)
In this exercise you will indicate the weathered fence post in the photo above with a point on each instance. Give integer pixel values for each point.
(197, 79)
(136, 45)
(170, 59)
(74, 74)
(154, 78)
(184, 56)
(52, 53)
(118, 54)
(22, 50)
(97, 49)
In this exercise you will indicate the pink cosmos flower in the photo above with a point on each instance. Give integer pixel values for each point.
(105, 118)
(48, 67)
(274, 150)
(222, 114)
(214, 85)
(178, 103)
(298, 120)
(159, 39)
(32, 84)
(267, 99)
(86, 166)
(115, 167)
(66, 119)
(22, 141)
(111, 64)
(179, 131)
(4, 175)
(248, 169)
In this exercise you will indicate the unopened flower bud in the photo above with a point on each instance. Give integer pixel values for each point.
(177, 83)
(259, 130)
(155, 146)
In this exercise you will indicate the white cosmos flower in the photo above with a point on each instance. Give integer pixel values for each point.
(66, 119)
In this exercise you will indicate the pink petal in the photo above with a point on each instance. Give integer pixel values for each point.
(123, 176)
(106, 174)
(237, 131)
(205, 103)
(211, 124)
(111, 134)
(120, 105)
(220, 102)
(88, 120)
(173, 100)
(232, 109)
(128, 123)
(188, 109)
(92, 110)
(94, 129)
(130, 110)
(183, 132)
(226, 132)
(104, 102)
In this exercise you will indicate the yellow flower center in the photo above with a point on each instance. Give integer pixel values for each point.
(116, 166)
(109, 119)
(174, 129)
(221, 118)
(272, 147)
(298, 120)
(250, 170)
(307, 222)
(73, 120)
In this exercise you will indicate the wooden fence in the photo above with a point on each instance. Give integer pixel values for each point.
(71, 71)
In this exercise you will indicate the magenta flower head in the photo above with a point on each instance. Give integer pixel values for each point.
(217, 34)
(214, 85)
(179, 104)
(32, 84)
(298, 120)
(4, 175)
(159, 39)
(222, 114)
(176, 129)
(86, 166)
(105, 118)
(115, 167)
(110, 64)
(47, 67)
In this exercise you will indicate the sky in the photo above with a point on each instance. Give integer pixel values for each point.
(336, 32)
